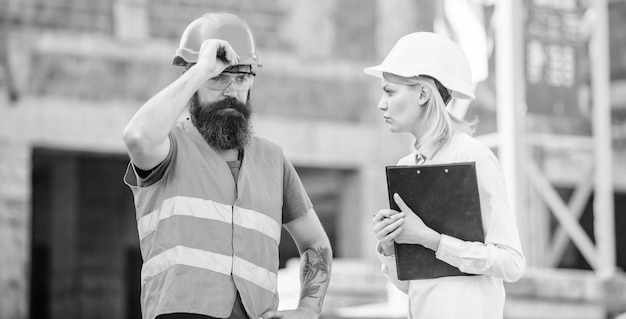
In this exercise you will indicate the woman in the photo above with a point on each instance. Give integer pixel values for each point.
(420, 76)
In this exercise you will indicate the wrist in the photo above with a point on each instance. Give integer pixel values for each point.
(311, 312)
(387, 250)
(433, 240)
(201, 73)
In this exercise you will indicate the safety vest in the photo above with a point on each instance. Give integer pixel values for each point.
(203, 237)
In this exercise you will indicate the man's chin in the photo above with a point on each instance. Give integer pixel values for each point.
(230, 131)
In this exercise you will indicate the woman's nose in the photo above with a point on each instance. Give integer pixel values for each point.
(382, 105)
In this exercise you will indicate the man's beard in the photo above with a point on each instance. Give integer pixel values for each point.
(224, 124)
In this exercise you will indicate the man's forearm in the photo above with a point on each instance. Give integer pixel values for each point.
(315, 269)
(155, 119)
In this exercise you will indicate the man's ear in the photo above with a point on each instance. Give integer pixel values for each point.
(423, 94)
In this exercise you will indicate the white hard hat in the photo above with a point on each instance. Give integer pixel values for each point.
(431, 54)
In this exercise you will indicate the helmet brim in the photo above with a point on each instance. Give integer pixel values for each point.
(377, 71)
(184, 56)
(407, 72)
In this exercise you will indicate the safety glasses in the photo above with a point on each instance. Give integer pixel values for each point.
(239, 81)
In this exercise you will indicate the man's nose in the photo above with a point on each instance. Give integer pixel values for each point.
(230, 90)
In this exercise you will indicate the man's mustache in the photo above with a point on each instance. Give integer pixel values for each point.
(231, 103)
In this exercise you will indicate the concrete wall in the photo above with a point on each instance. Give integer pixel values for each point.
(14, 228)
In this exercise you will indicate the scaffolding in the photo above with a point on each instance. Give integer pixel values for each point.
(525, 175)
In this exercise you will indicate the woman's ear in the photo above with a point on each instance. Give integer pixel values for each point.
(423, 94)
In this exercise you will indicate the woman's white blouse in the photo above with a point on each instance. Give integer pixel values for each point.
(498, 259)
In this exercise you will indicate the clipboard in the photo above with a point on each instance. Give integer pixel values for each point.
(446, 198)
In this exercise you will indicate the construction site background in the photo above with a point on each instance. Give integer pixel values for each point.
(72, 73)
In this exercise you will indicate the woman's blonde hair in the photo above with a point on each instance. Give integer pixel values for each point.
(441, 123)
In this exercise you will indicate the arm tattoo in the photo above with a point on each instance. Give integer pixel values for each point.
(315, 274)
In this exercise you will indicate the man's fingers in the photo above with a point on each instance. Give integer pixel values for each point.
(223, 51)
(231, 55)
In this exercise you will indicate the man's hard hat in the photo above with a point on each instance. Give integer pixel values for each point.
(219, 25)
(431, 54)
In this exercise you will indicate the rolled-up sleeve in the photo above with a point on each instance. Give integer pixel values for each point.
(501, 253)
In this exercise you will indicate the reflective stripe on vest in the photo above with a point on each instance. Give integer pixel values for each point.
(250, 219)
(188, 206)
(207, 209)
(255, 274)
(181, 255)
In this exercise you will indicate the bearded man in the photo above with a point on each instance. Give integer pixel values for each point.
(211, 197)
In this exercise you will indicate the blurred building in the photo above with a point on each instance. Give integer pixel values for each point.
(73, 72)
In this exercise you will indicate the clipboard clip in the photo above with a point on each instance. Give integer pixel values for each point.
(445, 170)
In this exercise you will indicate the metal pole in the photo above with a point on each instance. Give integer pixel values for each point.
(603, 205)
(511, 107)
